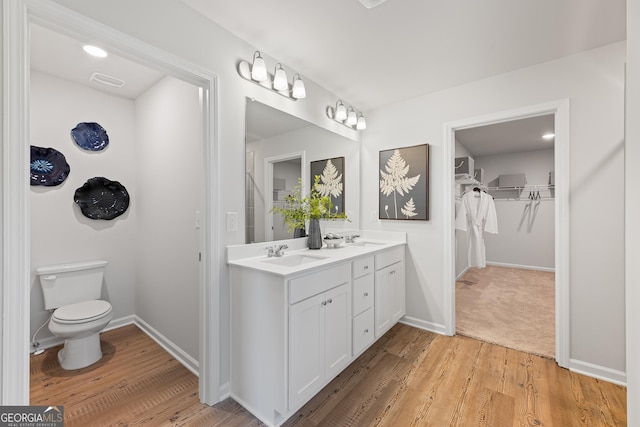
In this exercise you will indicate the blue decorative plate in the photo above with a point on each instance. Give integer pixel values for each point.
(100, 198)
(48, 166)
(90, 136)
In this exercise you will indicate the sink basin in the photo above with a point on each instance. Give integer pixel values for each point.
(366, 243)
(294, 259)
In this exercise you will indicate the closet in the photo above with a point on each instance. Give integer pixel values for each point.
(510, 300)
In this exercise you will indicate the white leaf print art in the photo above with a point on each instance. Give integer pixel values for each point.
(409, 209)
(394, 180)
(330, 181)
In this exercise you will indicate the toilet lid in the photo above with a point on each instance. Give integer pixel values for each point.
(82, 311)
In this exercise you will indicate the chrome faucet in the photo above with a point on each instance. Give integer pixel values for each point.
(280, 250)
(351, 238)
(271, 251)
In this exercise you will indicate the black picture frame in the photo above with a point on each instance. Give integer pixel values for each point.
(404, 183)
(330, 178)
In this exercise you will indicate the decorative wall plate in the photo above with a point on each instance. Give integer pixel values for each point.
(90, 136)
(48, 166)
(101, 198)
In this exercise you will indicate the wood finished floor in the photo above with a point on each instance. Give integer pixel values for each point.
(408, 378)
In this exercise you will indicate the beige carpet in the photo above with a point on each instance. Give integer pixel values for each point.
(511, 307)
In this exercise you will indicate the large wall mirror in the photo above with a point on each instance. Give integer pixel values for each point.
(279, 151)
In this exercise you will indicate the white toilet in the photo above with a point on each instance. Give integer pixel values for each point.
(73, 290)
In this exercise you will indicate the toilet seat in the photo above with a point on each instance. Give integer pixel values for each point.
(81, 312)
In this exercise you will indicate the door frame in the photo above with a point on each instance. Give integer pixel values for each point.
(560, 110)
(268, 186)
(17, 17)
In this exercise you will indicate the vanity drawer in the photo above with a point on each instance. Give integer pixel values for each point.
(363, 326)
(362, 296)
(362, 266)
(317, 282)
(389, 257)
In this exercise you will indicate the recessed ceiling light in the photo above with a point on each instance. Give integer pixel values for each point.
(94, 51)
(548, 136)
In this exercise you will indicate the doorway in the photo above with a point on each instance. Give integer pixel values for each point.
(282, 173)
(507, 296)
(18, 20)
(560, 112)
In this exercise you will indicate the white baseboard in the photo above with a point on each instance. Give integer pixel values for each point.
(462, 273)
(225, 391)
(525, 267)
(187, 361)
(599, 372)
(424, 325)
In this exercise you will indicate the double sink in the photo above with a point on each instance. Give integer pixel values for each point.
(296, 259)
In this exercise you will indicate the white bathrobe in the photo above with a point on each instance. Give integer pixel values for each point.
(477, 215)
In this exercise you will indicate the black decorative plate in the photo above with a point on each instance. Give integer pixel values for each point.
(90, 136)
(100, 198)
(48, 166)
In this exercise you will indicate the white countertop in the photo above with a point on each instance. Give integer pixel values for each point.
(253, 256)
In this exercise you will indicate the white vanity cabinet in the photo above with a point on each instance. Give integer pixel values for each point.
(389, 289)
(362, 296)
(296, 326)
(319, 332)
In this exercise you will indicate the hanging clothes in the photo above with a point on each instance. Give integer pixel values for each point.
(476, 215)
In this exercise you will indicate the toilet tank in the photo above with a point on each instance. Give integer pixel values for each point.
(66, 284)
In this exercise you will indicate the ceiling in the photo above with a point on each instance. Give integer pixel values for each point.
(508, 137)
(404, 48)
(373, 57)
(63, 57)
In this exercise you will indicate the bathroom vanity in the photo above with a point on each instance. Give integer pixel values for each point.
(298, 320)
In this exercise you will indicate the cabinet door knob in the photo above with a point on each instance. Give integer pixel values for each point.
(366, 331)
(366, 294)
(366, 267)
(393, 272)
(324, 303)
(330, 301)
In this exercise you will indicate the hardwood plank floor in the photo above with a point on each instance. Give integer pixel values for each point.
(409, 377)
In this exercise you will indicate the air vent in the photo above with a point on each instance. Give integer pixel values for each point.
(107, 80)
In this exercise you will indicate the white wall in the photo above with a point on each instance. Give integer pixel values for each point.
(593, 81)
(59, 231)
(526, 235)
(632, 212)
(169, 165)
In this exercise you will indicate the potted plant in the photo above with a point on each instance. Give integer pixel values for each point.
(299, 209)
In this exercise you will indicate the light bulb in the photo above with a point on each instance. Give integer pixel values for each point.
(259, 68)
(341, 112)
(361, 124)
(351, 117)
(298, 91)
(280, 79)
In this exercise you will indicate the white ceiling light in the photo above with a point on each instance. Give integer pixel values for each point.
(259, 68)
(371, 3)
(95, 51)
(548, 136)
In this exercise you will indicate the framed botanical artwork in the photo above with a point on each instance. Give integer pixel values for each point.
(331, 183)
(404, 183)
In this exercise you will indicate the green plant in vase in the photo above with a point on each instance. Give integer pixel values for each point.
(298, 209)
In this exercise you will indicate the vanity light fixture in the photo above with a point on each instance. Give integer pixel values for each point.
(257, 73)
(347, 116)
